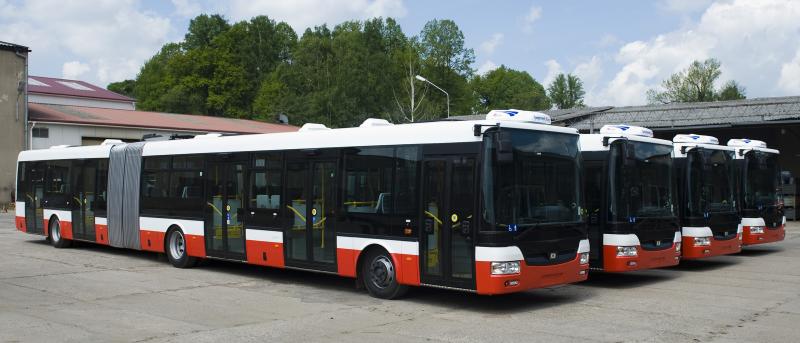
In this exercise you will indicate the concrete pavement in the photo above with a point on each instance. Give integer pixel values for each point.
(95, 293)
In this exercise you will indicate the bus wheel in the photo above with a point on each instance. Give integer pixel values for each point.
(56, 239)
(176, 250)
(380, 275)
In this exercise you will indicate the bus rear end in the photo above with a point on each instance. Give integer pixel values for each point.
(708, 209)
(630, 195)
(759, 179)
(531, 233)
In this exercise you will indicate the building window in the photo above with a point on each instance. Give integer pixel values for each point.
(41, 132)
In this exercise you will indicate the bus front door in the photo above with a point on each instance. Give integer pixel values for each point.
(310, 214)
(224, 211)
(447, 246)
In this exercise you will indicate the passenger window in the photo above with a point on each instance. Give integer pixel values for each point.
(369, 178)
(266, 180)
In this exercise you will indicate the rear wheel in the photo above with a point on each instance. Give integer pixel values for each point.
(56, 239)
(176, 250)
(380, 276)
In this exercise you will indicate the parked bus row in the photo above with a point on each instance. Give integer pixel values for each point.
(490, 206)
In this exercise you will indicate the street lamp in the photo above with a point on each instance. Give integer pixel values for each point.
(418, 77)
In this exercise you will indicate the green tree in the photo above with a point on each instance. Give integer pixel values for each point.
(446, 62)
(694, 84)
(732, 90)
(566, 91)
(505, 88)
(203, 29)
(125, 87)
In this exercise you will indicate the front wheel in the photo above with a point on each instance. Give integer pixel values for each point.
(176, 250)
(380, 276)
(56, 239)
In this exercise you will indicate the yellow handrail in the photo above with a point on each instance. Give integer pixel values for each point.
(438, 221)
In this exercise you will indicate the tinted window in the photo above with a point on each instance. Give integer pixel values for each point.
(266, 180)
(173, 186)
(368, 187)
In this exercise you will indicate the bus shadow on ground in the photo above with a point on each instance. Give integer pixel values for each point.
(702, 265)
(531, 300)
(626, 280)
(759, 251)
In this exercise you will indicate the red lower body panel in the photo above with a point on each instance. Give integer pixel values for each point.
(151, 240)
(66, 229)
(19, 222)
(101, 234)
(644, 259)
(769, 235)
(46, 227)
(529, 277)
(196, 245)
(265, 253)
(717, 248)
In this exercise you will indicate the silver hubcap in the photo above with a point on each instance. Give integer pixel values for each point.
(56, 232)
(382, 272)
(176, 245)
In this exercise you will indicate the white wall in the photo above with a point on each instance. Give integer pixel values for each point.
(62, 100)
(60, 134)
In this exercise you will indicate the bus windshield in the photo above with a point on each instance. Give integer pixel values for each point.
(540, 184)
(760, 188)
(640, 183)
(710, 182)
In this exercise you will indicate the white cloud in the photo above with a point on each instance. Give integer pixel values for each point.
(490, 45)
(301, 14)
(684, 5)
(755, 41)
(187, 8)
(112, 38)
(790, 75)
(534, 13)
(487, 67)
(74, 69)
(553, 69)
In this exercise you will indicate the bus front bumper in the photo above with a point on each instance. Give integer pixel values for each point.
(644, 259)
(530, 277)
(715, 248)
(767, 236)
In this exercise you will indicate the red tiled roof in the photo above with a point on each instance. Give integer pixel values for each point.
(152, 120)
(58, 87)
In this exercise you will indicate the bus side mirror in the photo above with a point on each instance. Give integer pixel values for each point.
(504, 146)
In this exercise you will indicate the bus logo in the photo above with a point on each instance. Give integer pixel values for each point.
(553, 256)
(658, 243)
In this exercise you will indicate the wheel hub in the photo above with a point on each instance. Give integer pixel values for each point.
(382, 272)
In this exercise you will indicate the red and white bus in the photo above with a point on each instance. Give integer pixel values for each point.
(706, 175)
(759, 179)
(488, 206)
(630, 199)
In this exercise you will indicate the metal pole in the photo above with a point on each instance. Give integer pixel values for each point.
(439, 88)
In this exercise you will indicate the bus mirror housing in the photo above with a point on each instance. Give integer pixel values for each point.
(504, 149)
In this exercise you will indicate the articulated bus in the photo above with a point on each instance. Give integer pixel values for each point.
(630, 199)
(759, 178)
(706, 174)
(488, 206)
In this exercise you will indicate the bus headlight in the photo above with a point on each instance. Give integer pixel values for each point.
(584, 258)
(756, 229)
(678, 247)
(702, 241)
(626, 251)
(505, 268)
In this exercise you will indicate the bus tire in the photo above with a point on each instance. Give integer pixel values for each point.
(175, 248)
(380, 275)
(56, 239)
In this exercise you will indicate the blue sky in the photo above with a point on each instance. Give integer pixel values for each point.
(619, 48)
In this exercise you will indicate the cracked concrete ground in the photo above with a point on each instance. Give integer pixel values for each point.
(94, 293)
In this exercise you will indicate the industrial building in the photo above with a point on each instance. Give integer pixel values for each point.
(13, 73)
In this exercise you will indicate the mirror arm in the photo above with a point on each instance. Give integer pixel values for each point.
(476, 130)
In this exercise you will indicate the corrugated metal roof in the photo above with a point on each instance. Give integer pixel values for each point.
(718, 113)
(13, 47)
(73, 88)
(153, 120)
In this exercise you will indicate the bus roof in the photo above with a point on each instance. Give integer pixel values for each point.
(314, 137)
